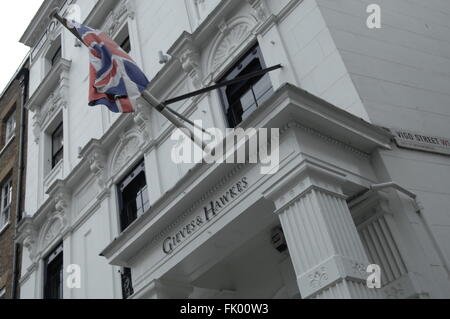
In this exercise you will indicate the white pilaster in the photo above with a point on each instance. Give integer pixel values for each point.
(272, 45)
(325, 248)
(387, 246)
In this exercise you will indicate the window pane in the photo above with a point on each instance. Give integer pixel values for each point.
(242, 99)
(56, 56)
(247, 100)
(58, 140)
(262, 88)
(127, 283)
(57, 145)
(126, 45)
(53, 275)
(9, 197)
(145, 199)
(6, 195)
(3, 198)
(4, 217)
(58, 157)
(134, 197)
(139, 206)
(10, 127)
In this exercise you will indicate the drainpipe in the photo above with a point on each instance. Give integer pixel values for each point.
(396, 186)
(23, 78)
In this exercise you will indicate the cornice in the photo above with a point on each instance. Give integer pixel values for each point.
(326, 138)
(188, 45)
(99, 13)
(188, 40)
(329, 121)
(23, 66)
(41, 20)
(289, 108)
(38, 232)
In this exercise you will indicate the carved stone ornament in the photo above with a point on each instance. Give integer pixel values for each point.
(97, 163)
(29, 242)
(190, 61)
(53, 31)
(232, 36)
(37, 126)
(128, 147)
(53, 231)
(61, 201)
(142, 120)
(53, 228)
(117, 17)
(319, 278)
(395, 292)
(54, 103)
(230, 43)
(260, 9)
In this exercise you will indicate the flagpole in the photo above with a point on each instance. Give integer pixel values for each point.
(223, 84)
(185, 119)
(149, 98)
(161, 108)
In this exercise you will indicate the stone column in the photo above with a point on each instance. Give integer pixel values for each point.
(324, 245)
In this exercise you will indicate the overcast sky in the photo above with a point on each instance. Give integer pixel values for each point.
(15, 15)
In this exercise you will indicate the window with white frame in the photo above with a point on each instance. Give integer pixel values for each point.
(57, 145)
(241, 99)
(123, 39)
(53, 274)
(5, 204)
(133, 196)
(10, 127)
(53, 55)
(53, 145)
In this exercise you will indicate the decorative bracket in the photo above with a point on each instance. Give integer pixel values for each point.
(142, 120)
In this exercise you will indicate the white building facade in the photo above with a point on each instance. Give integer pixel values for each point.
(363, 179)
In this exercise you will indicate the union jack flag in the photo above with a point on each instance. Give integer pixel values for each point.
(114, 78)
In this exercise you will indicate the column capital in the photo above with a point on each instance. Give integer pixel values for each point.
(303, 180)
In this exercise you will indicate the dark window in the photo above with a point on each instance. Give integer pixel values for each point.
(133, 195)
(127, 283)
(53, 280)
(56, 56)
(126, 45)
(57, 145)
(243, 98)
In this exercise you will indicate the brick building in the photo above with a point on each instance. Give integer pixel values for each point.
(13, 117)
